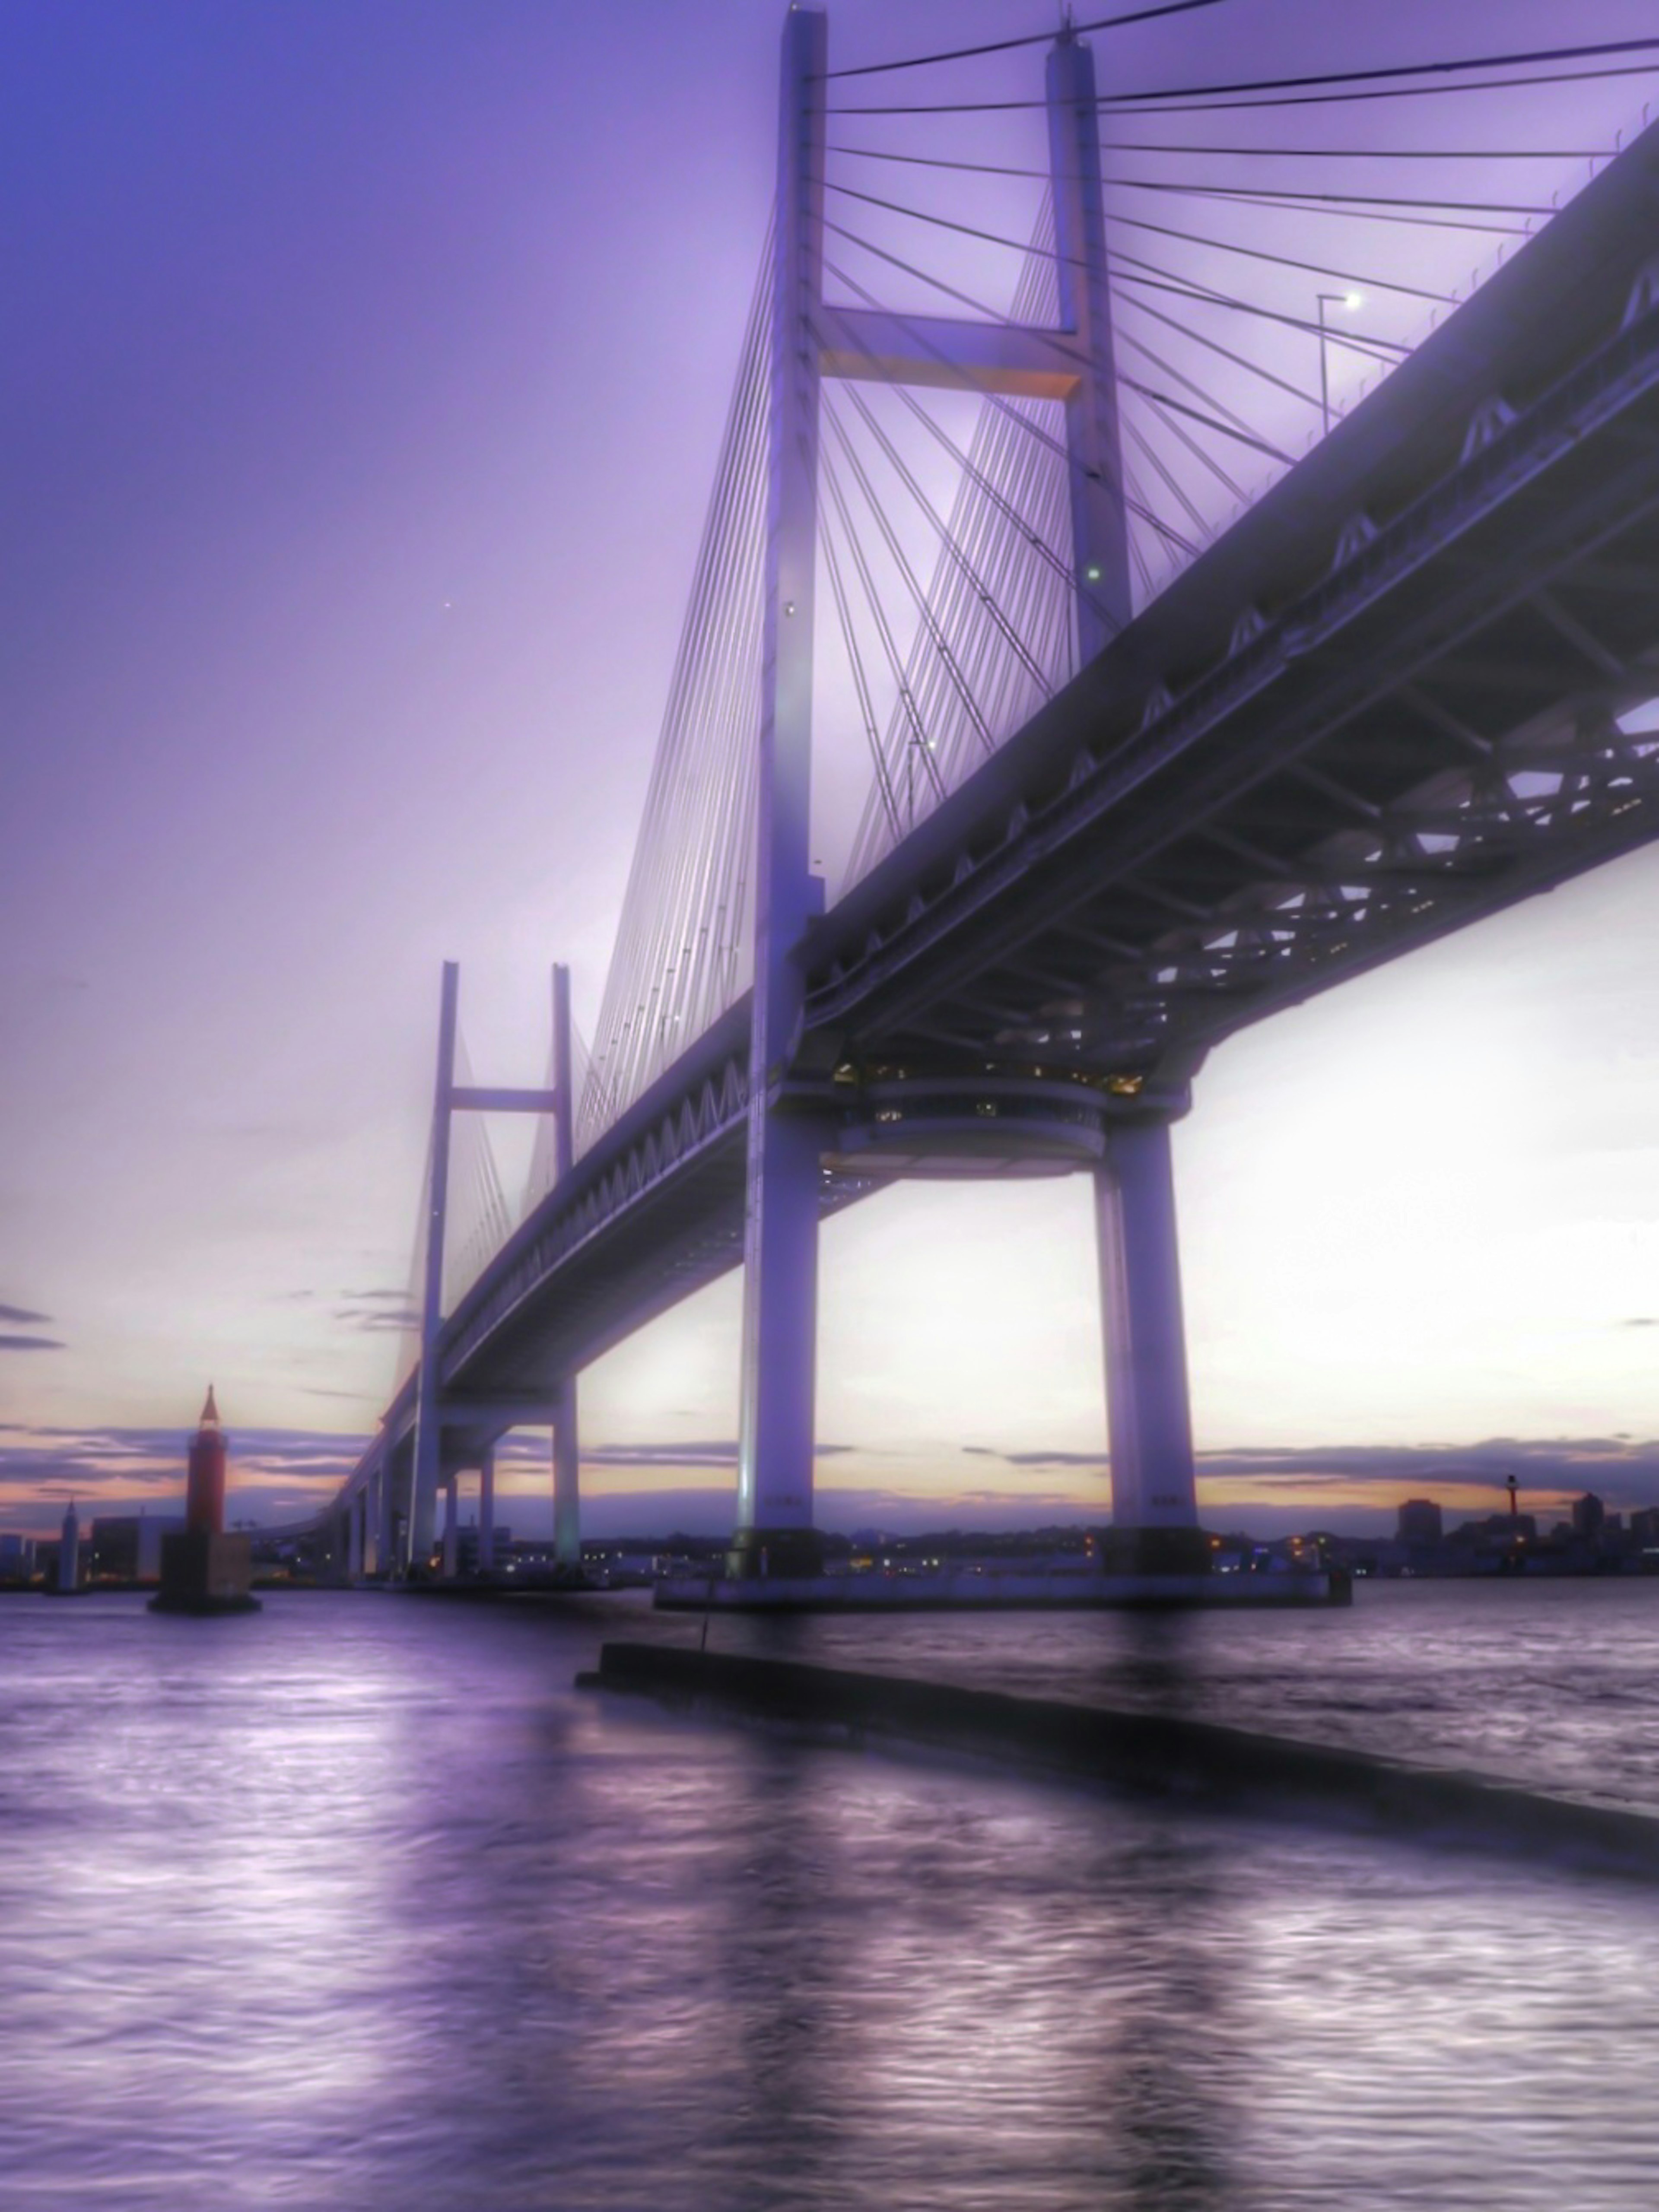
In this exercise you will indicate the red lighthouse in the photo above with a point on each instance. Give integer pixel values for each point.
(203, 1569)
(204, 1497)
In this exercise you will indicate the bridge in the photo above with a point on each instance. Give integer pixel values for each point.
(1115, 816)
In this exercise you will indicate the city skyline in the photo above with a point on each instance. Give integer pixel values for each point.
(358, 500)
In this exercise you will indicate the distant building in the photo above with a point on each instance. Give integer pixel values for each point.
(17, 1560)
(127, 1547)
(467, 1548)
(68, 1551)
(1588, 1517)
(1419, 1522)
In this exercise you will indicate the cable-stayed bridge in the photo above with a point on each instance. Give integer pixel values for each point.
(1151, 754)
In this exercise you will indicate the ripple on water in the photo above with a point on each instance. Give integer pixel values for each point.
(356, 1904)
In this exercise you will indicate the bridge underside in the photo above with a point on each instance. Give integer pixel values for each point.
(1425, 737)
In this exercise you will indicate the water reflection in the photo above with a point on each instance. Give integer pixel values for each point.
(1171, 2060)
(791, 1927)
(371, 1909)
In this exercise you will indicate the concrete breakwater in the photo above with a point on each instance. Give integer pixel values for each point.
(1005, 1590)
(1147, 1754)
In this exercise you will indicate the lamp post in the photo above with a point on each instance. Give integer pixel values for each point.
(1350, 301)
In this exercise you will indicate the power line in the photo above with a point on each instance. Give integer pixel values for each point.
(1259, 153)
(1031, 38)
(1161, 230)
(1258, 194)
(1539, 55)
(1251, 195)
(1109, 106)
(1210, 421)
(1125, 268)
(942, 223)
(1286, 261)
(1118, 101)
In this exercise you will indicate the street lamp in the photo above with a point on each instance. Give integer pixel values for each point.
(1350, 301)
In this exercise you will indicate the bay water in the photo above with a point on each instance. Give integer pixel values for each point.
(358, 1902)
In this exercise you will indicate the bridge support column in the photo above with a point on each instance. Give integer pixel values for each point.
(356, 1507)
(1154, 1498)
(778, 1435)
(429, 1420)
(385, 1561)
(487, 1511)
(775, 1531)
(567, 1481)
(452, 1526)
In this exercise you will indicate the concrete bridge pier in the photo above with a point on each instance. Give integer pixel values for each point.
(452, 1490)
(385, 1561)
(487, 1511)
(566, 1480)
(774, 1533)
(356, 1506)
(1154, 1495)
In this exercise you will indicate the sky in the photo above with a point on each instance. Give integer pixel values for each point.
(365, 373)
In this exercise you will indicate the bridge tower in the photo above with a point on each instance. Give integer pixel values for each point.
(425, 1473)
(446, 1438)
(567, 1496)
(1074, 364)
(781, 1214)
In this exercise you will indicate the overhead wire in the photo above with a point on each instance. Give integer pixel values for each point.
(1029, 39)
(855, 662)
(1116, 101)
(1128, 269)
(1009, 509)
(1391, 92)
(906, 477)
(964, 377)
(916, 730)
(896, 553)
(1265, 153)
(681, 941)
(1160, 229)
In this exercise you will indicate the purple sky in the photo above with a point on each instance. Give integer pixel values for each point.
(365, 370)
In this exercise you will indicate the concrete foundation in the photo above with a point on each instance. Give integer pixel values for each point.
(203, 1572)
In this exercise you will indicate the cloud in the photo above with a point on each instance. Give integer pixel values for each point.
(31, 1344)
(1367, 1476)
(22, 1314)
(279, 1476)
(1641, 1321)
(115, 1470)
(378, 1319)
(1037, 1458)
(702, 1454)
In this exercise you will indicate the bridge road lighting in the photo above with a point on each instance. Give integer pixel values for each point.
(1350, 301)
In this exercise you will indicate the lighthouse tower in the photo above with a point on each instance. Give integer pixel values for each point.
(203, 1569)
(204, 1498)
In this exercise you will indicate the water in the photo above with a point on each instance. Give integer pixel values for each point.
(356, 1904)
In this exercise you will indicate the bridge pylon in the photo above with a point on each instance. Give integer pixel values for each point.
(430, 1466)
(425, 1473)
(1073, 364)
(780, 1216)
(567, 1456)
